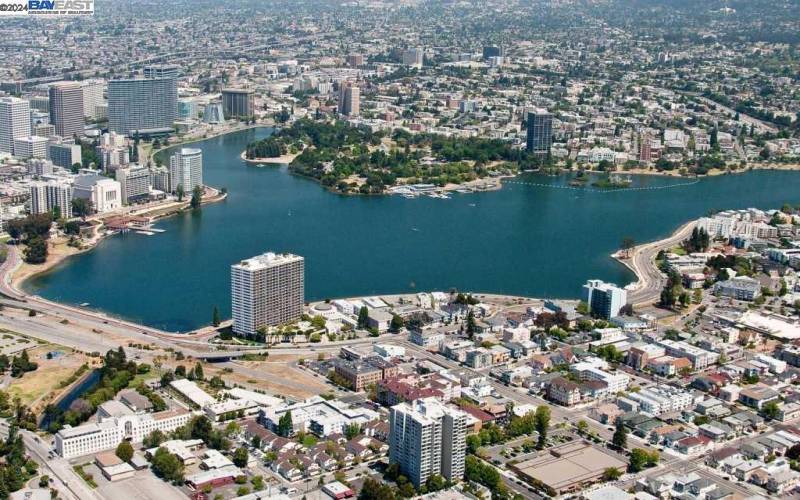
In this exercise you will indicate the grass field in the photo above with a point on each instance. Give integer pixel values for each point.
(43, 384)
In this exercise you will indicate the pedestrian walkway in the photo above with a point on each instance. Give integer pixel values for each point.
(604, 191)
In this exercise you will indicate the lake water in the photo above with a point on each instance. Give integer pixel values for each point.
(522, 240)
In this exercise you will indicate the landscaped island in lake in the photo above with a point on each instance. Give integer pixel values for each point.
(350, 159)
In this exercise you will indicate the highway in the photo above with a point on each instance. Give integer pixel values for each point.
(651, 280)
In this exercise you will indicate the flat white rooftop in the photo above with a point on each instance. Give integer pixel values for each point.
(267, 260)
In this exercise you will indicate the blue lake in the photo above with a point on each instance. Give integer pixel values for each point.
(541, 241)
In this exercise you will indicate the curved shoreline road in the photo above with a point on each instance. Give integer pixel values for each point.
(643, 263)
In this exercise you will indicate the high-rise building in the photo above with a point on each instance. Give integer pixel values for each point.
(134, 183)
(605, 300)
(427, 438)
(15, 121)
(349, 99)
(238, 103)
(93, 98)
(540, 132)
(64, 154)
(414, 57)
(45, 196)
(490, 51)
(186, 170)
(66, 108)
(355, 60)
(30, 147)
(147, 105)
(267, 290)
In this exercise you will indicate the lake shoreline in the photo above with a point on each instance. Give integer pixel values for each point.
(512, 243)
(24, 272)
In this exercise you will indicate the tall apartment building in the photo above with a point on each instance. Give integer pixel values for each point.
(66, 108)
(540, 132)
(15, 121)
(134, 183)
(414, 57)
(267, 290)
(186, 169)
(45, 196)
(427, 438)
(355, 60)
(64, 154)
(604, 299)
(490, 51)
(147, 105)
(349, 99)
(93, 101)
(238, 103)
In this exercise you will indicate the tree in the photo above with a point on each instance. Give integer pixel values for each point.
(198, 371)
(240, 457)
(124, 451)
(36, 251)
(201, 428)
(363, 317)
(582, 426)
(197, 197)
(620, 437)
(81, 207)
(215, 319)
(352, 430)
(154, 439)
(771, 410)
(396, 324)
(285, 425)
(256, 442)
(167, 466)
(611, 474)
(372, 489)
(542, 423)
(435, 483)
(179, 192)
(471, 325)
(641, 459)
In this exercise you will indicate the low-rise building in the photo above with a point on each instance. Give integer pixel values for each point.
(109, 432)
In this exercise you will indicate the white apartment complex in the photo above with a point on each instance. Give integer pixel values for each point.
(134, 183)
(47, 195)
(426, 438)
(15, 121)
(267, 290)
(318, 416)
(661, 399)
(751, 223)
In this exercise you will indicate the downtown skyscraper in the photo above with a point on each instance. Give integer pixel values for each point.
(15, 122)
(66, 109)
